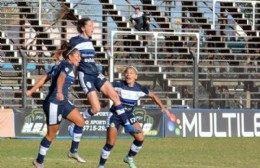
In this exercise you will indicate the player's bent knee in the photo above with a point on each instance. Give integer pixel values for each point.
(80, 123)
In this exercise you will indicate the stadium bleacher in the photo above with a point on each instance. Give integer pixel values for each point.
(229, 48)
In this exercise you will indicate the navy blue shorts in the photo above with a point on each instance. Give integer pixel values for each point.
(56, 110)
(91, 82)
(114, 121)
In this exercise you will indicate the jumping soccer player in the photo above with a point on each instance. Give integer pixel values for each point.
(129, 92)
(91, 79)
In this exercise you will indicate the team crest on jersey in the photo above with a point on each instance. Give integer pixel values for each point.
(112, 125)
(67, 69)
(71, 74)
(101, 76)
(88, 84)
(59, 117)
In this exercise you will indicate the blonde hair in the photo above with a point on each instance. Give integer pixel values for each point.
(131, 67)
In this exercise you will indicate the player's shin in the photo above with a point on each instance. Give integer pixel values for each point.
(44, 147)
(77, 133)
(135, 148)
(105, 154)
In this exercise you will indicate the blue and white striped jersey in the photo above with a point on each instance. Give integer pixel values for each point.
(87, 53)
(129, 95)
(66, 68)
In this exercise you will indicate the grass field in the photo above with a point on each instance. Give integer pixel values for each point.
(156, 153)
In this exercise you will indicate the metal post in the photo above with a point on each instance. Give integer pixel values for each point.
(24, 78)
(213, 13)
(111, 59)
(196, 75)
(40, 12)
(111, 63)
(198, 47)
(195, 82)
(156, 47)
(253, 3)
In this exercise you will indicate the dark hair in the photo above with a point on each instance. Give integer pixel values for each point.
(69, 51)
(137, 8)
(81, 23)
(65, 50)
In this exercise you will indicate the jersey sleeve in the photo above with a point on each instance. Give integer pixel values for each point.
(144, 90)
(72, 42)
(52, 71)
(67, 69)
(115, 84)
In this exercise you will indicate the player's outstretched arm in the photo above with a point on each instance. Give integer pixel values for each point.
(39, 84)
(159, 102)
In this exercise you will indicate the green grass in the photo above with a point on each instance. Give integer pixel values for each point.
(156, 153)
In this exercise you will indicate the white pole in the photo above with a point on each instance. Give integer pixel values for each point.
(156, 47)
(40, 12)
(198, 47)
(213, 13)
(111, 58)
(253, 27)
(111, 63)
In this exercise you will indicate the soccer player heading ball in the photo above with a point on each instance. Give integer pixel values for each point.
(90, 78)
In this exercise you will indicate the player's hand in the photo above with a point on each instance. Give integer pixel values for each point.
(28, 93)
(130, 129)
(59, 96)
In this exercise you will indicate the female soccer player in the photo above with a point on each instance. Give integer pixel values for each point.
(89, 76)
(57, 106)
(58, 58)
(129, 92)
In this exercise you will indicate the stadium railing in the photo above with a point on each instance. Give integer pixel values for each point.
(224, 60)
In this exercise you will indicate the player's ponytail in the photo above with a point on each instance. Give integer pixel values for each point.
(64, 51)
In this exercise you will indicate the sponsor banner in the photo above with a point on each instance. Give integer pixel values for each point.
(7, 123)
(151, 121)
(32, 123)
(213, 123)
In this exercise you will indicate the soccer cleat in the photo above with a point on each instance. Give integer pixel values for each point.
(76, 157)
(36, 164)
(130, 162)
(101, 166)
(130, 129)
(71, 129)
